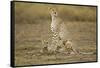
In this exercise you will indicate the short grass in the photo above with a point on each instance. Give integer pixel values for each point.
(28, 45)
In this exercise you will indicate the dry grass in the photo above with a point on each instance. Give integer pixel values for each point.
(33, 25)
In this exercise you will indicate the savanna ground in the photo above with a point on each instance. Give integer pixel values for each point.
(32, 25)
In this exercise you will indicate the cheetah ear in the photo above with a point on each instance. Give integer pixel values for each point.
(52, 9)
(49, 8)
